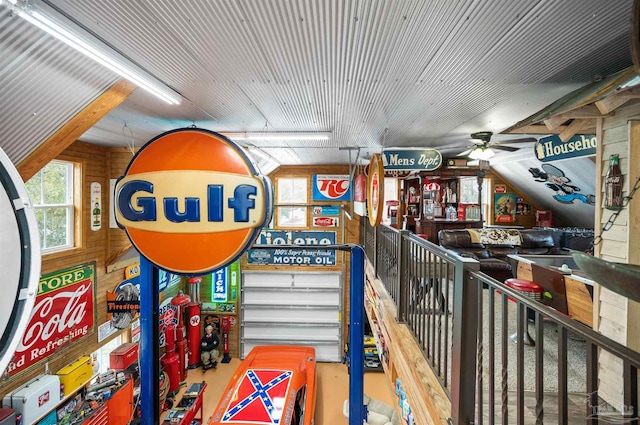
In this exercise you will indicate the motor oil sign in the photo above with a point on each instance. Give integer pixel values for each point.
(189, 190)
(331, 187)
(294, 256)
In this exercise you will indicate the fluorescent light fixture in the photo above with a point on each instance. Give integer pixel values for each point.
(274, 136)
(53, 22)
(481, 153)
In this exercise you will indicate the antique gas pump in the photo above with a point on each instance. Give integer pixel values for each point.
(180, 301)
(193, 330)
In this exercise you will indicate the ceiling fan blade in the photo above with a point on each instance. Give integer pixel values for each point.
(505, 148)
(465, 153)
(522, 140)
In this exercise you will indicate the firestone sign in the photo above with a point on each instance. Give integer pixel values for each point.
(63, 313)
(552, 148)
(189, 190)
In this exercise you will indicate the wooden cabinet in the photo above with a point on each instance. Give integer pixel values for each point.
(412, 202)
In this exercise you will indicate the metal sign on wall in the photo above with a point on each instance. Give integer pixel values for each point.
(423, 159)
(62, 314)
(294, 256)
(189, 190)
(552, 148)
(331, 187)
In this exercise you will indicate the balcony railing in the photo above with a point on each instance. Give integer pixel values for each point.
(470, 329)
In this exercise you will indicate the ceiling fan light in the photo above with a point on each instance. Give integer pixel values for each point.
(481, 153)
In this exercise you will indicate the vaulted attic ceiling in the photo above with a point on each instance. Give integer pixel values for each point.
(371, 73)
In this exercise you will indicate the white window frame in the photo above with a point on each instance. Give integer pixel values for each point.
(68, 205)
(302, 210)
(486, 196)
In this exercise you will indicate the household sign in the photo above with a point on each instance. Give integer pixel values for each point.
(192, 201)
(552, 148)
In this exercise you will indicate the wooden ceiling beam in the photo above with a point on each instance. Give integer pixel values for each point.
(587, 111)
(576, 127)
(610, 103)
(535, 129)
(75, 128)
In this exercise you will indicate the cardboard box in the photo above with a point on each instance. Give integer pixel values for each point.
(123, 356)
(35, 398)
(76, 374)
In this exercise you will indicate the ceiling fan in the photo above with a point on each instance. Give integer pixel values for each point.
(483, 146)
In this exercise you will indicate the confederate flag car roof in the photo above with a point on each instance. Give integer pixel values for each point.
(274, 385)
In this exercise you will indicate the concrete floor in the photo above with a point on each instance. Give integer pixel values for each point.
(333, 389)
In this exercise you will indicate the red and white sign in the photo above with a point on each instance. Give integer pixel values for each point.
(325, 221)
(63, 313)
(43, 399)
(500, 188)
(360, 188)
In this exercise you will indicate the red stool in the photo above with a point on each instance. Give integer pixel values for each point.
(531, 290)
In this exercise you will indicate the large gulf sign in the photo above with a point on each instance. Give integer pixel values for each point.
(331, 187)
(192, 201)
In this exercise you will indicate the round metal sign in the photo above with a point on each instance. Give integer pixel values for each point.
(375, 190)
(192, 201)
(19, 260)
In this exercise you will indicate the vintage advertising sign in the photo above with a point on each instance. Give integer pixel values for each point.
(96, 206)
(422, 159)
(552, 148)
(322, 210)
(331, 187)
(189, 190)
(19, 258)
(505, 207)
(167, 315)
(219, 286)
(62, 314)
(375, 190)
(325, 222)
(294, 256)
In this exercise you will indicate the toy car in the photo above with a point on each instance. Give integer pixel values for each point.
(272, 385)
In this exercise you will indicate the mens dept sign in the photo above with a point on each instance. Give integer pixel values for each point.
(192, 201)
(294, 256)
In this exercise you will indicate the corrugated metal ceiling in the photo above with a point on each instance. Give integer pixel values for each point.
(430, 72)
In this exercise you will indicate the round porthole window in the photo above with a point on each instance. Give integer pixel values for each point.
(19, 259)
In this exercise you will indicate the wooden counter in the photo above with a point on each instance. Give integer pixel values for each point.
(432, 227)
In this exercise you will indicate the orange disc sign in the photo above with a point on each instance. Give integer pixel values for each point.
(375, 190)
(192, 201)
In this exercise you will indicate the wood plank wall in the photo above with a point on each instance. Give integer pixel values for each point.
(526, 220)
(351, 227)
(616, 316)
(93, 247)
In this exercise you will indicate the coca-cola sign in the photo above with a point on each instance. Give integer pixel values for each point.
(325, 221)
(62, 314)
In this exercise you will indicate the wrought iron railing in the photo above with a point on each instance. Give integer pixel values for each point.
(463, 321)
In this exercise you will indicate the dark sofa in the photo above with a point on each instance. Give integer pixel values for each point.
(492, 255)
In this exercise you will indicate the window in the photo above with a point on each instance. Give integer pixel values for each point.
(291, 191)
(469, 193)
(51, 191)
(101, 357)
